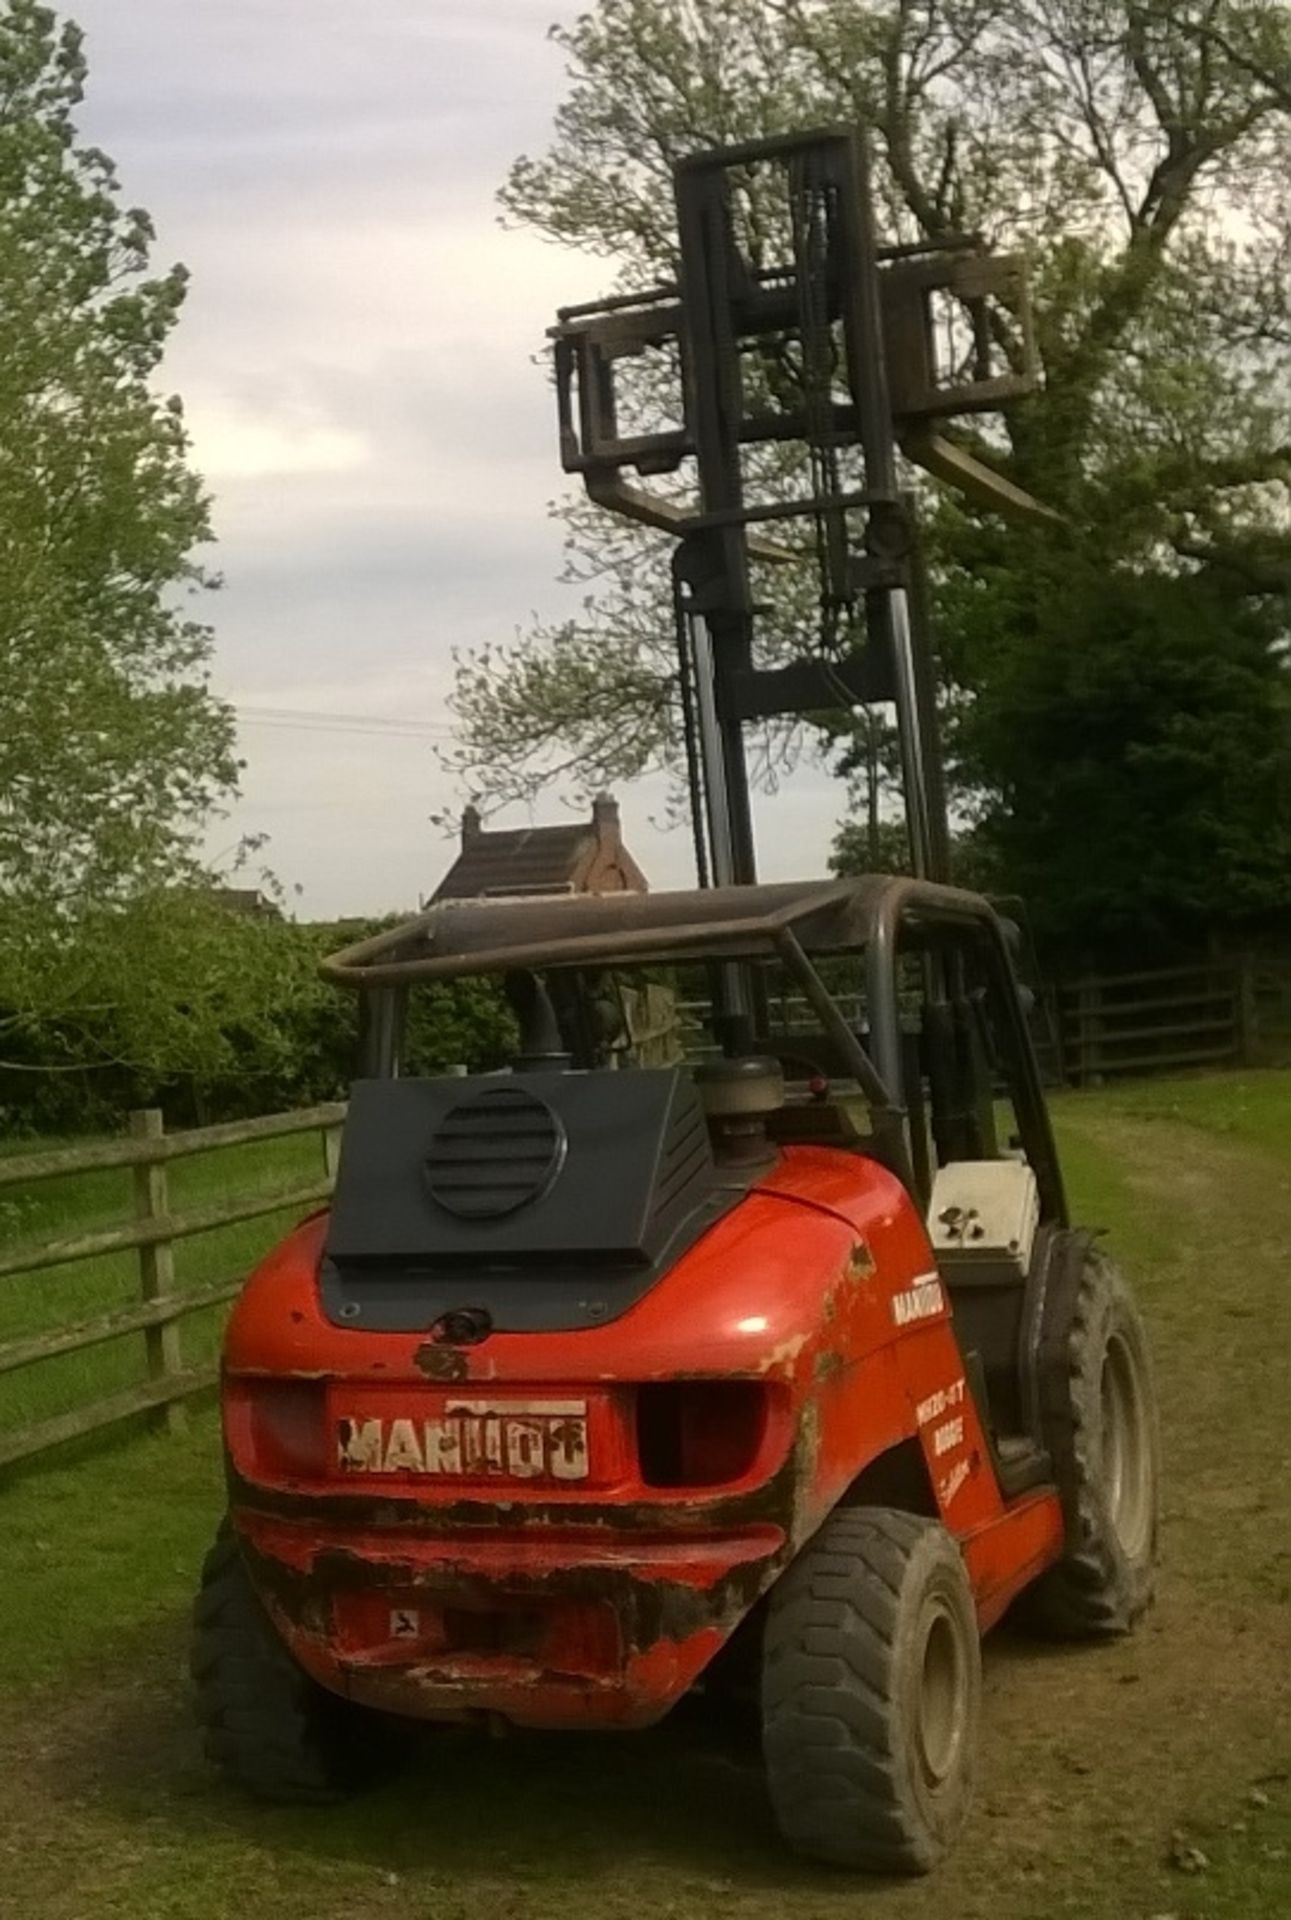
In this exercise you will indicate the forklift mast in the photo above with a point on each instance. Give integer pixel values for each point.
(794, 356)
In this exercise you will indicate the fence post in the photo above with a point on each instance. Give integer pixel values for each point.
(1086, 1028)
(157, 1265)
(1247, 1012)
(331, 1152)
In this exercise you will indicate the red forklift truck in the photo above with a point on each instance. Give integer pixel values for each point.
(770, 1367)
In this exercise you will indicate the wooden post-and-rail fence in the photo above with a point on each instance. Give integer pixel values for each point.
(162, 1305)
(1231, 1011)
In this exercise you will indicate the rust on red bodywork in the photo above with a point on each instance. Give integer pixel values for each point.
(457, 1594)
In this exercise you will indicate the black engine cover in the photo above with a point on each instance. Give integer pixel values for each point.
(547, 1200)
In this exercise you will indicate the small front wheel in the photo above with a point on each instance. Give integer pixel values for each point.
(871, 1693)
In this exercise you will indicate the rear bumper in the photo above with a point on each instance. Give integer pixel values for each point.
(578, 1628)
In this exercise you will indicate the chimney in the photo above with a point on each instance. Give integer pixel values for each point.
(472, 825)
(605, 819)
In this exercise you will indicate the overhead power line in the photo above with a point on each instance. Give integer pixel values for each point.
(311, 720)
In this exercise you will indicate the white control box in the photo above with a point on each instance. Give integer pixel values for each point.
(982, 1220)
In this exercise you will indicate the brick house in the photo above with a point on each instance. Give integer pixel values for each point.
(587, 856)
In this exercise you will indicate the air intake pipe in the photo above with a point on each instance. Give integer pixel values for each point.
(542, 1050)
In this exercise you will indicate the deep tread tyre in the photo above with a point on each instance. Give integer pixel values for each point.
(871, 1693)
(267, 1724)
(1100, 1420)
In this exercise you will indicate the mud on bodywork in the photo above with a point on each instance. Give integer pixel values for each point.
(522, 1610)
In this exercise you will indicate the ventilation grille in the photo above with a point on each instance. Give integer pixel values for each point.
(494, 1154)
(686, 1160)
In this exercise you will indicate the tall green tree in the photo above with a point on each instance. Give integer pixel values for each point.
(1133, 757)
(112, 749)
(1138, 152)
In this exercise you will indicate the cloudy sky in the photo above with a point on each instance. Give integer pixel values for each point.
(357, 362)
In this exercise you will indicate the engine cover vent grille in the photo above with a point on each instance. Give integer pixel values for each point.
(548, 1200)
(495, 1153)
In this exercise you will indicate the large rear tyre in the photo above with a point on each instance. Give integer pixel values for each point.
(1100, 1420)
(268, 1725)
(871, 1693)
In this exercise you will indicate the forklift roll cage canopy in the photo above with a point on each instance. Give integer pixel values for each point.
(882, 917)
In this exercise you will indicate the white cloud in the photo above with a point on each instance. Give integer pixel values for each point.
(231, 444)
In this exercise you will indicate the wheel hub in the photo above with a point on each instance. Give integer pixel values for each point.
(943, 1690)
(1126, 1453)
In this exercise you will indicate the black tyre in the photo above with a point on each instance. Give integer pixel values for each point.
(871, 1693)
(268, 1725)
(1100, 1419)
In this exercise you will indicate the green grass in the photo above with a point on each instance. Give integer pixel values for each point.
(1149, 1778)
(1247, 1109)
(60, 1296)
(101, 1545)
(1244, 1868)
